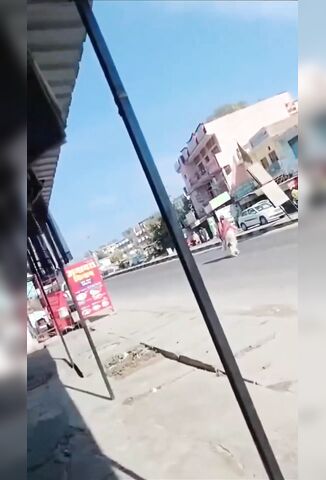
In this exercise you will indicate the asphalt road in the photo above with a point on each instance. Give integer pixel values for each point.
(160, 404)
(264, 274)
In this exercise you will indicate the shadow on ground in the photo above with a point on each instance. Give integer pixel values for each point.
(216, 260)
(57, 448)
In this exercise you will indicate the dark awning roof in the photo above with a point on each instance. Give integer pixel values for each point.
(55, 41)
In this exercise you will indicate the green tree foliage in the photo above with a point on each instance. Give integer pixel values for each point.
(226, 109)
(116, 257)
(161, 237)
(186, 208)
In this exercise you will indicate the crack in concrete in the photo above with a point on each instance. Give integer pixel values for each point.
(225, 452)
(255, 346)
(197, 364)
(282, 386)
(192, 362)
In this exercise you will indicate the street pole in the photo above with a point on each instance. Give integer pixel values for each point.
(36, 273)
(190, 267)
(57, 257)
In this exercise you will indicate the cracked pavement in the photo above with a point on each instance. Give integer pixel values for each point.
(175, 421)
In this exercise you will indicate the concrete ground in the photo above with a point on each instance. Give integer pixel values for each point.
(175, 421)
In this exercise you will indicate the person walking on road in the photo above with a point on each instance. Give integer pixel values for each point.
(227, 234)
(203, 235)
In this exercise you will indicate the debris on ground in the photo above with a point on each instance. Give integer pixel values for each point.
(123, 364)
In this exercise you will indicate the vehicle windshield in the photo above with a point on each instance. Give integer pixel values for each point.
(263, 206)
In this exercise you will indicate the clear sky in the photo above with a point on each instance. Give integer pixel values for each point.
(178, 61)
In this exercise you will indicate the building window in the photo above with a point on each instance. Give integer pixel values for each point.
(201, 169)
(272, 155)
(207, 159)
(210, 143)
(203, 152)
(215, 150)
(210, 192)
(227, 169)
(264, 163)
(197, 159)
(294, 144)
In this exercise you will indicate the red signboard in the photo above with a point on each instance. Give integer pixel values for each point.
(59, 307)
(86, 282)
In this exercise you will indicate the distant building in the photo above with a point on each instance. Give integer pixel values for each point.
(126, 247)
(140, 234)
(108, 249)
(178, 202)
(211, 163)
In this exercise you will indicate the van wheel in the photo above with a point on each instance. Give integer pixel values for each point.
(243, 226)
(263, 221)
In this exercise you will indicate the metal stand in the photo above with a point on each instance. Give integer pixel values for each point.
(34, 267)
(191, 270)
(81, 317)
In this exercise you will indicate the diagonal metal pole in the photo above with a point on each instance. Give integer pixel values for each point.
(59, 261)
(191, 270)
(35, 270)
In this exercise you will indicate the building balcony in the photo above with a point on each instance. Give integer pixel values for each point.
(275, 169)
(177, 166)
(199, 146)
(198, 181)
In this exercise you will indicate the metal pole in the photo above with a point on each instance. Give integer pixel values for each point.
(33, 264)
(191, 270)
(81, 317)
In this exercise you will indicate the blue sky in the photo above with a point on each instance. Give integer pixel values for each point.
(178, 61)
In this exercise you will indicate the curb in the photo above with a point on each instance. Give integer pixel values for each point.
(242, 236)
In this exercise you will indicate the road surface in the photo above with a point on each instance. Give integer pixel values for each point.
(172, 420)
(264, 273)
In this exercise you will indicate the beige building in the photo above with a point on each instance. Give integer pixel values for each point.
(210, 162)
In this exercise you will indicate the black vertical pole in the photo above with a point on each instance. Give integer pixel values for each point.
(35, 270)
(81, 317)
(191, 270)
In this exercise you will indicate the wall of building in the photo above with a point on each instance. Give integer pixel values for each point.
(276, 139)
(227, 131)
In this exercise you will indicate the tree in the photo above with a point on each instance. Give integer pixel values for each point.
(226, 109)
(116, 257)
(182, 212)
(160, 236)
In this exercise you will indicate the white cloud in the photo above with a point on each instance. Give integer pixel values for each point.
(246, 10)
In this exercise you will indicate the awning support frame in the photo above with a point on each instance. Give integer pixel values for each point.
(36, 273)
(59, 261)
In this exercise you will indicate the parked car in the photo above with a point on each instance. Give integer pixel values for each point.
(137, 260)
(109, 270)
(260, 213)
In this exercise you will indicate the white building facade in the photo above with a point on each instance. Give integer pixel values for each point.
(211, 164)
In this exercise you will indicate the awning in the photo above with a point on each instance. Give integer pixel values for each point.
(55, 37)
